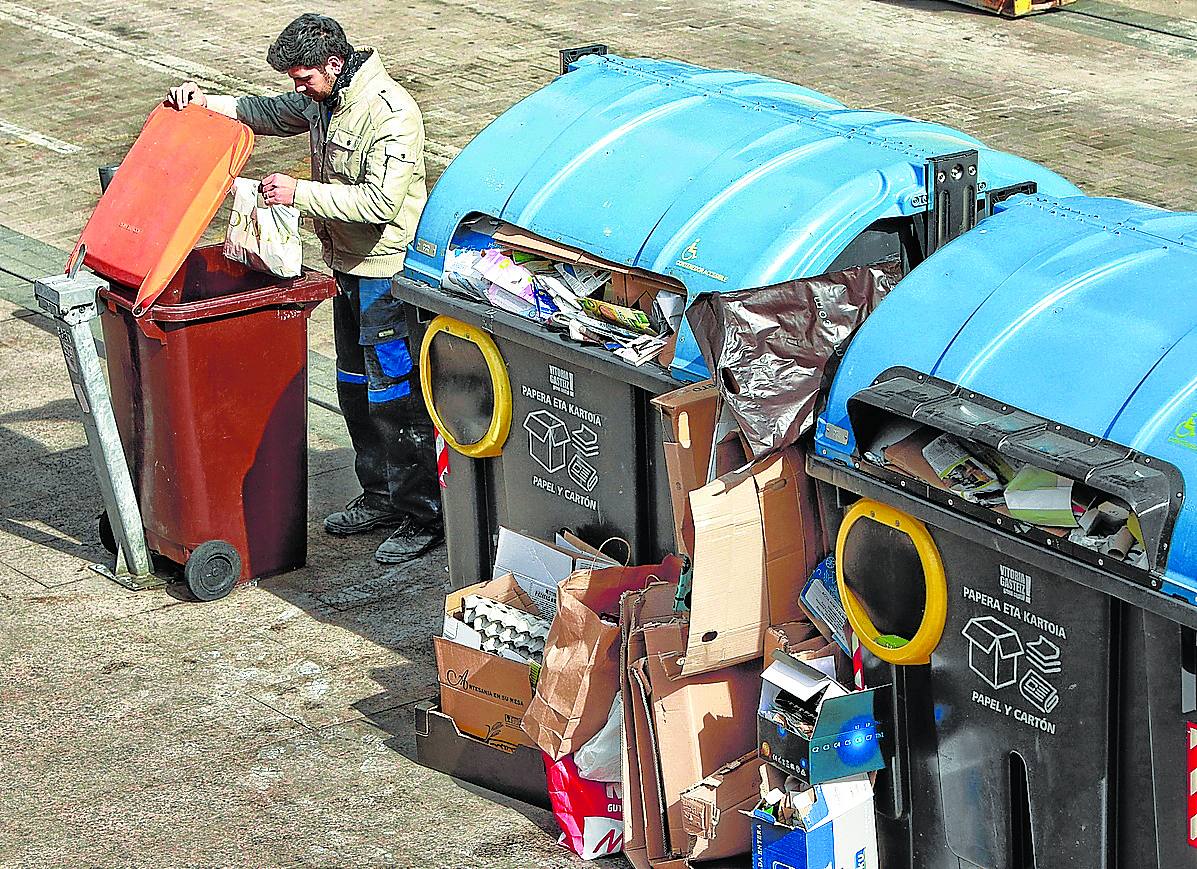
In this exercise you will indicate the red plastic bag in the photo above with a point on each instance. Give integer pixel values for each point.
(589, 813)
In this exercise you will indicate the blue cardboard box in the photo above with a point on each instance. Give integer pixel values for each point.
(833, 828)
(845, 738)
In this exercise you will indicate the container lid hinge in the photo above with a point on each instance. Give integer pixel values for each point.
(951, 181)
(569, 55)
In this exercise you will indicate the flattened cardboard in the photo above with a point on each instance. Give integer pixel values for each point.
(755, 542)
(682, 482)
(701, 722)
(484, 694)
(714, 810)
(789, 519)
(640, 775)
(629, 285)
(728, 605)
(676, 730)
(516, 238)
(688, 415)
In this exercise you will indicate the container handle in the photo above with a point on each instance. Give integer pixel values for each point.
(75, 260)
(935, 609)
(150, 329)
(491, 443)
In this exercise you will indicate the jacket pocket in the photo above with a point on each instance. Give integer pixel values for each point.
(341, 157)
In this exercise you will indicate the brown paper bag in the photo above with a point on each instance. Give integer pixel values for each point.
(580, 675)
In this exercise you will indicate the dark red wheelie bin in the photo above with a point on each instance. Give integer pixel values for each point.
(212, 409)
(207, 359)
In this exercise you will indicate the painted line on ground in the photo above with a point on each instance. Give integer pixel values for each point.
(104, 42)
(58, 146)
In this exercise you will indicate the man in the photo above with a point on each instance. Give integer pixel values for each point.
(365, 196)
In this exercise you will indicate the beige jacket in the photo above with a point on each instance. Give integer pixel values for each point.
(367, 188)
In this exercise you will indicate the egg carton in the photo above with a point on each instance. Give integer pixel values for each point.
(506, 628)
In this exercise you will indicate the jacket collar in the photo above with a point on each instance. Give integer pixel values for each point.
(363, 80)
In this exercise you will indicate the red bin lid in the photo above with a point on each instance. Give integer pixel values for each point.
(163, 197)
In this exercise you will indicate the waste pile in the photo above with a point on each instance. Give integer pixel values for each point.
(674, 712)
(631, 313)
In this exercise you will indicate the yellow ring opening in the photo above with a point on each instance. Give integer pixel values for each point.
(935, 609)
(491, 443)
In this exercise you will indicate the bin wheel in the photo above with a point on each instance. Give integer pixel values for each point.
(107, 536)
(212, 570)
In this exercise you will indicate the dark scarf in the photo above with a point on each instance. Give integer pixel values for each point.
(352, 64)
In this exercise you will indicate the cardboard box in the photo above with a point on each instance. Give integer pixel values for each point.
(715, 811)
(515, 772)
(505, 590)
(539, 567)
(688, 415)
(845, 738)
(485, 695)
(755, 544)
(834, 828)
(802, 640)
(677, 729)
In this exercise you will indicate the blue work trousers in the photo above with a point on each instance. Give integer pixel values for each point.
(378, 390)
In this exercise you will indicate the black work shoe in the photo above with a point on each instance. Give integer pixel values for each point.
(363, 513)
(410, 540)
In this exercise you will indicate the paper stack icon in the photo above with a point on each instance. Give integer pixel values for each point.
(1044, 655)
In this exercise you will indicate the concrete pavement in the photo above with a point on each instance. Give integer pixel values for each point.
(272, 729)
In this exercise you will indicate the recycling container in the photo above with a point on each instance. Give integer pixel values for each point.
(207, 360)
(1042, 676)
(702, 180)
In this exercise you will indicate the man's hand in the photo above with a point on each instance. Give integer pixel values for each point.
(186, 94)
(278, 189)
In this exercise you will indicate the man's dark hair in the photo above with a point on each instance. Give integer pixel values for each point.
(309, 40)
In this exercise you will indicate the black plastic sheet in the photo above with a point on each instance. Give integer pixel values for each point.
(767, 348)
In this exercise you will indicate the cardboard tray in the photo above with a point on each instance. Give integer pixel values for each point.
(441, 746)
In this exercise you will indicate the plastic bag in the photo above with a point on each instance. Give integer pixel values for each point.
(600, 757)
(767, 348)
(589, 813)
(263, 237)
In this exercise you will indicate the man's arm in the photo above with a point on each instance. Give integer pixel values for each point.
(390, 165)
(280, 115)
